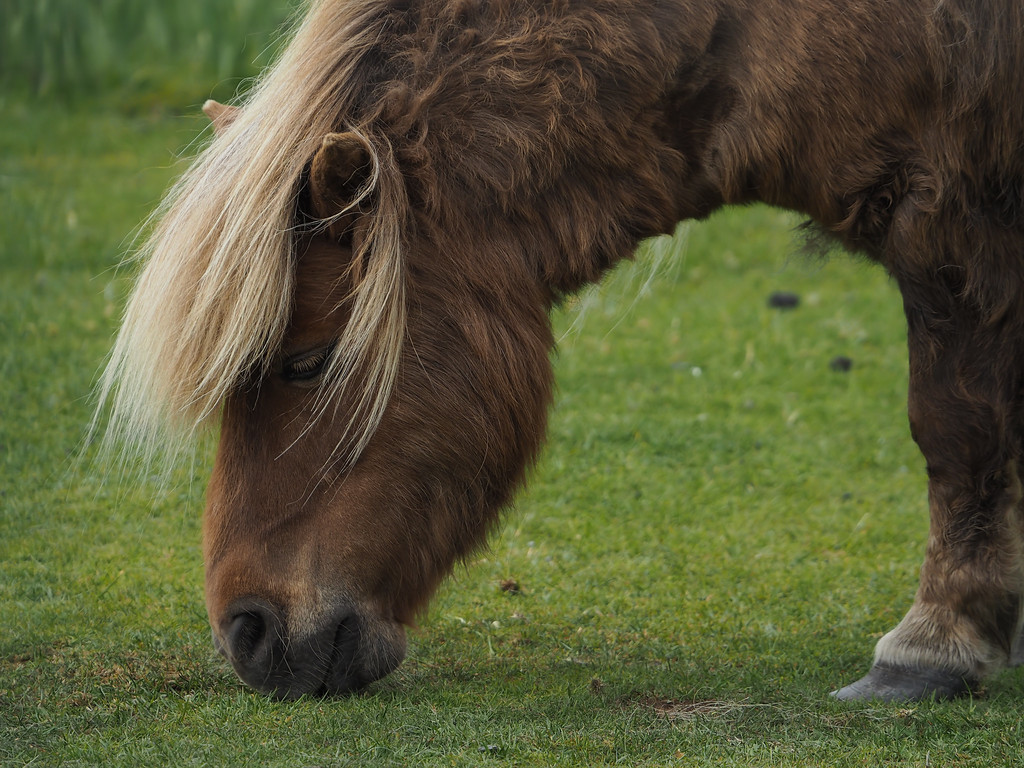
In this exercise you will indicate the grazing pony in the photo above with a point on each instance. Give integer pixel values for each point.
(355, 279)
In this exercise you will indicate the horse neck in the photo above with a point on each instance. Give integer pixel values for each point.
(670, 110)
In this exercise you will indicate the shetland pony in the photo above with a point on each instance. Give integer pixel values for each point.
(355, 279)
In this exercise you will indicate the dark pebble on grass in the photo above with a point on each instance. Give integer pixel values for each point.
(783, 300)
(841, 364)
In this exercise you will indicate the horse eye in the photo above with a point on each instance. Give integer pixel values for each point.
(307, 366)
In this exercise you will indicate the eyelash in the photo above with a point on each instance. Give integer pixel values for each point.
(307, 366)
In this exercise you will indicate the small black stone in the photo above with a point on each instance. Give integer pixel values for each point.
(783, 300)
(841, 363)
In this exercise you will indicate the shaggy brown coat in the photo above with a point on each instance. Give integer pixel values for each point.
(497, 155)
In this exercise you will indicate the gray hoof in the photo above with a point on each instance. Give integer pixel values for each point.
(887, 682)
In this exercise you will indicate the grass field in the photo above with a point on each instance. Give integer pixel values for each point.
(719, 530)
(140, 55)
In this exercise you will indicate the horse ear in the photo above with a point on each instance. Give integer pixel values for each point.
(221, 115)
(339, 169)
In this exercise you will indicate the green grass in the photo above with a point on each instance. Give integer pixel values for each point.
(142, 54)
(719, 530)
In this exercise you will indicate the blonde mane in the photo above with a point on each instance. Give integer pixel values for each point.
(213, 300)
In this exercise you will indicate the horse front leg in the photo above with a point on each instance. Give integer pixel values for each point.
(965, 622)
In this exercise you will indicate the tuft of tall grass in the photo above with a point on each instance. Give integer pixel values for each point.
(141, 52)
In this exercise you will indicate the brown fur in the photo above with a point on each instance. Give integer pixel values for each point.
(537, 143)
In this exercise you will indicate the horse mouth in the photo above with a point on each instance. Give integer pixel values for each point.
(348, 653)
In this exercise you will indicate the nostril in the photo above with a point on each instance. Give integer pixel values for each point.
(346, 641)
(253, 631)
(246, 633)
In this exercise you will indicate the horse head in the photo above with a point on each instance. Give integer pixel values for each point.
(314, 564)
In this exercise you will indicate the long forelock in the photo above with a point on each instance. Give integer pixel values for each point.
(213, 301)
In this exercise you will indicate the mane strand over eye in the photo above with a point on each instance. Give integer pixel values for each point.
(214, 296)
